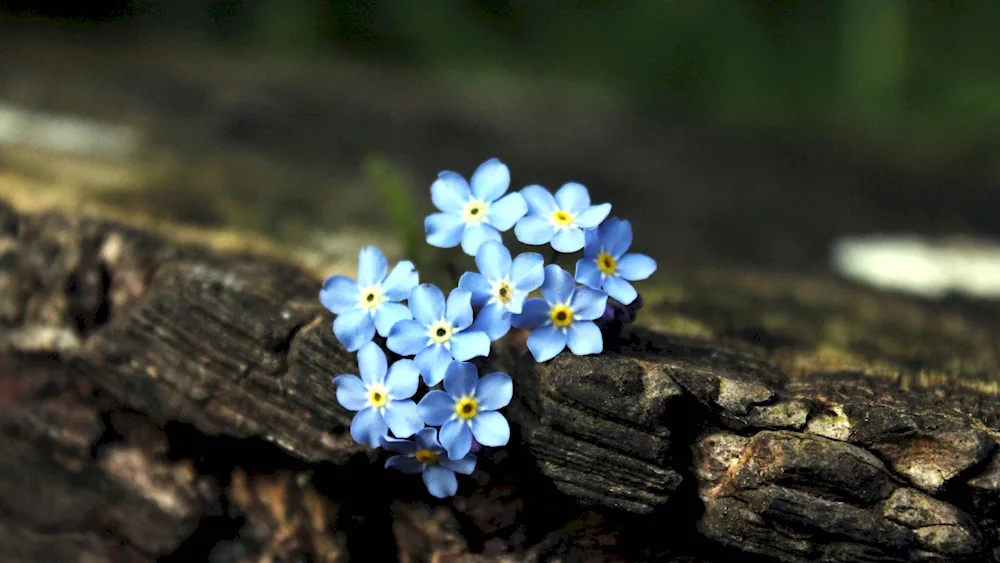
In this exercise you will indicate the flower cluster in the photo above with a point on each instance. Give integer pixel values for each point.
(435, 338)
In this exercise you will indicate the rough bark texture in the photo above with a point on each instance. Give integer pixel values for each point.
(169, 401)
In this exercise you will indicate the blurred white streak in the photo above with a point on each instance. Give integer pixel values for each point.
(65, 133)
(920, 265)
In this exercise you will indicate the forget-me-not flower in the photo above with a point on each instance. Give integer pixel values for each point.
(381, 396)
(468, 407)
(370, 303)
(564, 316)
(424, 454)
(501, 286)
(560, 219)
(606, 266)
(473, 215)
(437, 333)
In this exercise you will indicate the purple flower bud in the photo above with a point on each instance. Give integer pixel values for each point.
(625, 315)
(631, 310)
(637, 304)
(608, 316)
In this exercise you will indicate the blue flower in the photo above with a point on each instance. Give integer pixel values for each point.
(437, 334)
(467, 407)
(502, 286)
(559, 220)
(564, 316)
(425, 455)
(473, 216)
(605, 264)
(382, 401)
(371, 303)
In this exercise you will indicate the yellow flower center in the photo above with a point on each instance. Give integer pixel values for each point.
(440, 332)
(371, 298)
(503, 291)
(561, 218)
(466, 408)
(606, 263)
(561, 315)
(378, 396)
(427, 456)
(475, 211)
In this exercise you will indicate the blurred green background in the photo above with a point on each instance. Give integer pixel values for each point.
(754, 131)
(889, 68)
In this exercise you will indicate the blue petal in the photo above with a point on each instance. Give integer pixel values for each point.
(539, 200)
(546, 342)
(401, 417)
(527, 271)
(450, 192)
(636, 267)
(504, 212)
(351, 392)
(490, 428)
(354, 328)
(534, 314)
(456, 439)
(403, 379)
(493, 260)
(477, 284)
(460, 379)
(558, 286)
(432, 361)
(585, 338)
(398, 445)
(368, 427)
(588, 304)
(388, 314)
(428, 439)
(516, 304)
(588, 273)
(404, 464)
(568, 240)
(401, 281)
(458, 310)
(593, 216)
(440, 482)
(339, 294)
(592, 242)
(427, 304)
(620, 290)
(407, 338)
(534, 229)
(372, 266)
(494, 391)
(573, 197)
(616, 237)
(444, 230)
(372, 364)
(494, 320)
(470, 344)
(465, 466)
(475, 235)
(490, 180)
(436, 408)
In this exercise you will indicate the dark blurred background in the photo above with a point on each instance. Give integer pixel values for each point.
(749, 132)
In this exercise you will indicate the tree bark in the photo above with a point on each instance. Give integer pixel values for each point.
(171, 401)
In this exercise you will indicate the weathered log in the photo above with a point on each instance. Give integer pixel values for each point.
(168, 399)
(67, 479)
